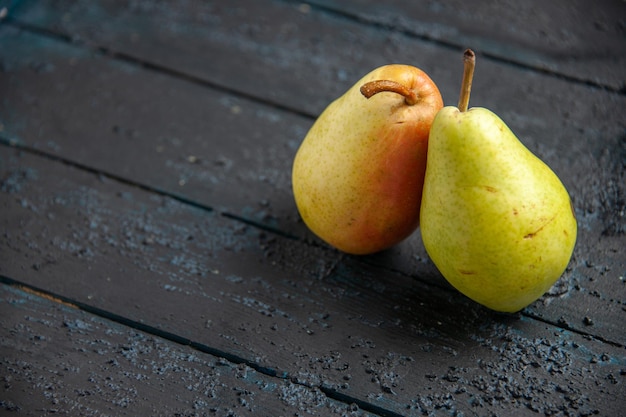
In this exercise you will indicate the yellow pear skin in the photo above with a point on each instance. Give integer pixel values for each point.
(358, 175)
(495, 219)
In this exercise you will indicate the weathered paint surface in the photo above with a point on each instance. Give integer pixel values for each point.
(144, 176)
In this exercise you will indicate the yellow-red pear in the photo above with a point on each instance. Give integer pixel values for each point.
(358, 175)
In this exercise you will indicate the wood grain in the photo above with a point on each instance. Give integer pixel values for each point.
(288, 309)
(234, 154)
(568, 39)
(59, 360)
(145, 156)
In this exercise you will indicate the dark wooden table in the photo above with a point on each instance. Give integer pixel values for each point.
(152, 260)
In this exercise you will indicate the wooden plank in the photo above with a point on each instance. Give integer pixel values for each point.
(567, 38)
(523, 98)
(238, 43)
(296, 311)
(304, 57)
(546, 113)
(127, 121)
(58, 360)
(234, 154)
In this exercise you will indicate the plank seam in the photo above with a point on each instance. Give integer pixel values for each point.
(22, 147)
(572, 329)
(460, 47)
(151, 66)
(197, 80)
(183, 341)
(122, 180)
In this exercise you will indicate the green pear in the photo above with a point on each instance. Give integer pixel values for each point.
(495, 219)
(358, 175)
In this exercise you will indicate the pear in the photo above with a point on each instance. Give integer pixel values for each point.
(358, 175)
(495, 219)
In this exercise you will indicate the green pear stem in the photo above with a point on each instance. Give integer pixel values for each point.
(469, 62)
(374, 87)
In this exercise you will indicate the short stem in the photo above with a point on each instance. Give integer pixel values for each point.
(374, 87)
(469, 62)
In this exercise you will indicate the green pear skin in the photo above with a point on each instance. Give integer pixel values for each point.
(495, 219)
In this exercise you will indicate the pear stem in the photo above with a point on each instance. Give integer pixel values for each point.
(469, 62)
(374, 87)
